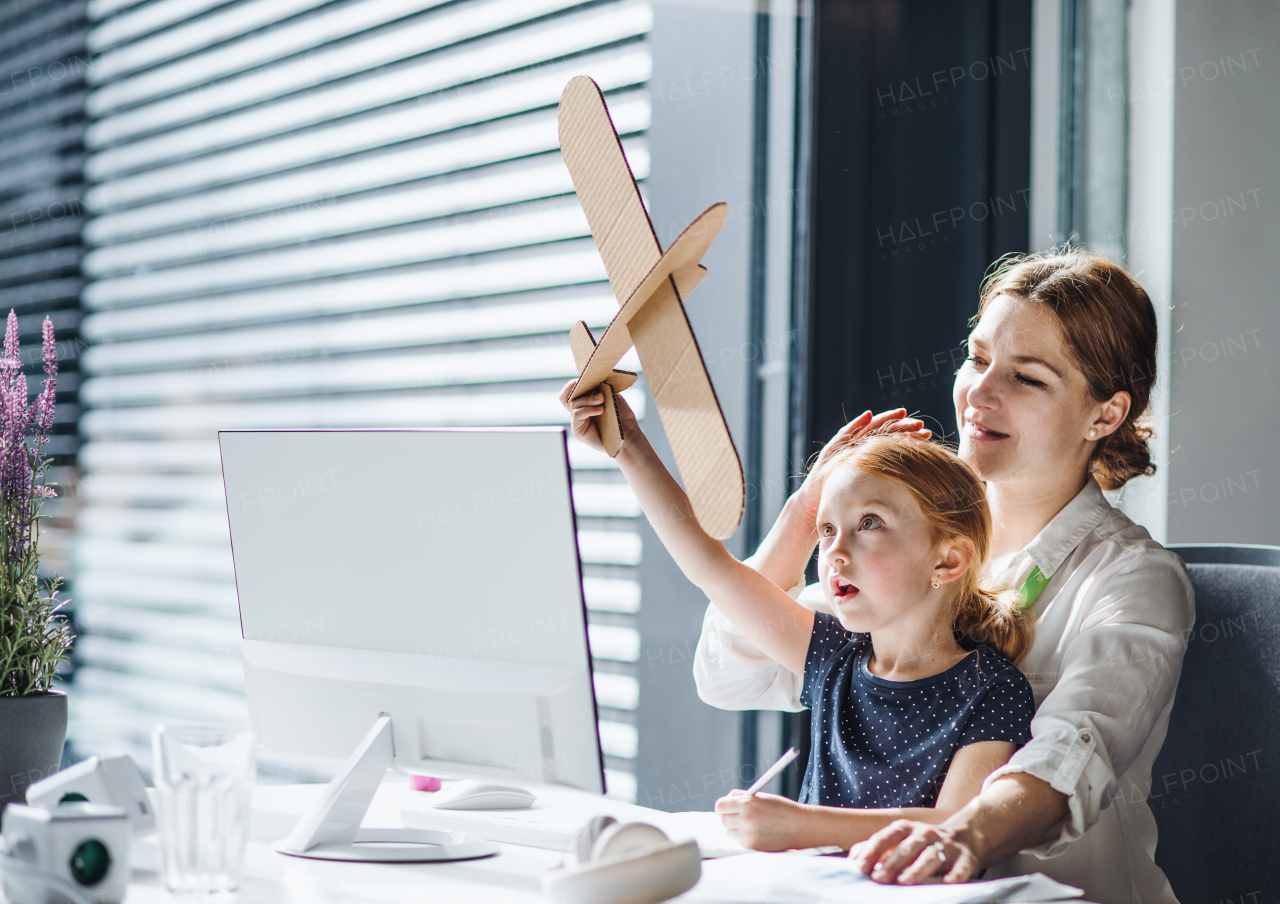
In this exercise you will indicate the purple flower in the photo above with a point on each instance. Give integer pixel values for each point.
(23, 467)
(43, 408)
(50, 348)
(10, 360)
(44, 412)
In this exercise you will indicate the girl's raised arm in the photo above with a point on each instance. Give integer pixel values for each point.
(770, 619)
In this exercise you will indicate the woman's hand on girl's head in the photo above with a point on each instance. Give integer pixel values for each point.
(585, 411)
(894, 421)
(763, 822)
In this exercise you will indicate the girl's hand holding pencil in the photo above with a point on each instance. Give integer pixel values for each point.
(764, 822)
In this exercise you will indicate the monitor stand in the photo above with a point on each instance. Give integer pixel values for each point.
(330, 830)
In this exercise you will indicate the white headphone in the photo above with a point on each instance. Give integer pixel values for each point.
(624, 863)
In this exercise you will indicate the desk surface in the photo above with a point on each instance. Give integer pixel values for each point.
(513, 875)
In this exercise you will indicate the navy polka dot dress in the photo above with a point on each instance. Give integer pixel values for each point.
(879, 743)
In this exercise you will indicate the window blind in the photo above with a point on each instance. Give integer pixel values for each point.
(309, 214)
(43, 61)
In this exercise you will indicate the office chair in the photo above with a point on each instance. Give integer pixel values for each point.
(1215, 788)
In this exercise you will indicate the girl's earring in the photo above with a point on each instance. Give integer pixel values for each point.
(1093, 433)
(934, 582)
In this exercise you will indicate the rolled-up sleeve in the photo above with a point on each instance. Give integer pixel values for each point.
(1119, 673)
(732, 673)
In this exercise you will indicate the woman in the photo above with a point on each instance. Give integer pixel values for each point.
(1050, 406)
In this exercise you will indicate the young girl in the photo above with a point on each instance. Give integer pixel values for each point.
(913, 695)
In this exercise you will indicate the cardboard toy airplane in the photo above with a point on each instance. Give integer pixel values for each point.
(650, 286)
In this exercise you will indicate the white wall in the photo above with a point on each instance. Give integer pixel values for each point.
(1223, 476)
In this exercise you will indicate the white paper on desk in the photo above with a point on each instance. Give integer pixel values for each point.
(799, 879)
(705, 828)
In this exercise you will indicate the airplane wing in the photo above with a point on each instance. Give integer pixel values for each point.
(649, 287)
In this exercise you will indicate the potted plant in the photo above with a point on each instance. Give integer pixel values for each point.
(34, 634)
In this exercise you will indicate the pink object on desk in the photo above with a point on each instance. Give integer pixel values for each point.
(424, 783)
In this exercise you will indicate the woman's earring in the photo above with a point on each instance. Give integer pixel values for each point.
(1093, 433)
(934, 582)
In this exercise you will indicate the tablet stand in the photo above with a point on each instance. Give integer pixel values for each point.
(330, 830)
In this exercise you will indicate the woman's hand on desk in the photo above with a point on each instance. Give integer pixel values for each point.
(907, 852)
(765, 822)
(1013, 812)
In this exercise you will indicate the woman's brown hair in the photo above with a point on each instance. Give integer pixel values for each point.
(1109, 329)
(954, 501)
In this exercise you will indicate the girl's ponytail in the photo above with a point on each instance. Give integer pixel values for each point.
(995, 618)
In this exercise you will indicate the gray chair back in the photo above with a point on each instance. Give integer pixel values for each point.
(1215, 788)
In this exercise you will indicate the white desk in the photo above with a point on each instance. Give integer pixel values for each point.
(513, 875)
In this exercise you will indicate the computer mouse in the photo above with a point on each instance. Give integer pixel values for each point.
(478, 795)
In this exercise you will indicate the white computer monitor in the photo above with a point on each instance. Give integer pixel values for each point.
(430, 575)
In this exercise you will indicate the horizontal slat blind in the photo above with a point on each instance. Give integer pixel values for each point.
(325, 214)
(43, 58)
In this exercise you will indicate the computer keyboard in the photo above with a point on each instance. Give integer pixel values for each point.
(554, 824)
(502, 828)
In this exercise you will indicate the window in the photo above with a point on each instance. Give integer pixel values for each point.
(309, 214)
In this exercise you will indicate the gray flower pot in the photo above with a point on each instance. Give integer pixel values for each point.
(32, 730)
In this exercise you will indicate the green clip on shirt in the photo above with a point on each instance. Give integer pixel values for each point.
(1031, 588)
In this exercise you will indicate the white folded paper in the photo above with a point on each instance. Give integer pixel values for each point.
(804, 879)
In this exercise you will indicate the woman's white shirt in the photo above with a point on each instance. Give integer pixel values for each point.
(1111, 628)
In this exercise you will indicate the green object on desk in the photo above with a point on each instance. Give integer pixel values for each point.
(1031, 588)
(90, 862)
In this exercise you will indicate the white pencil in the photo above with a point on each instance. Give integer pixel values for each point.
(783, 762)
